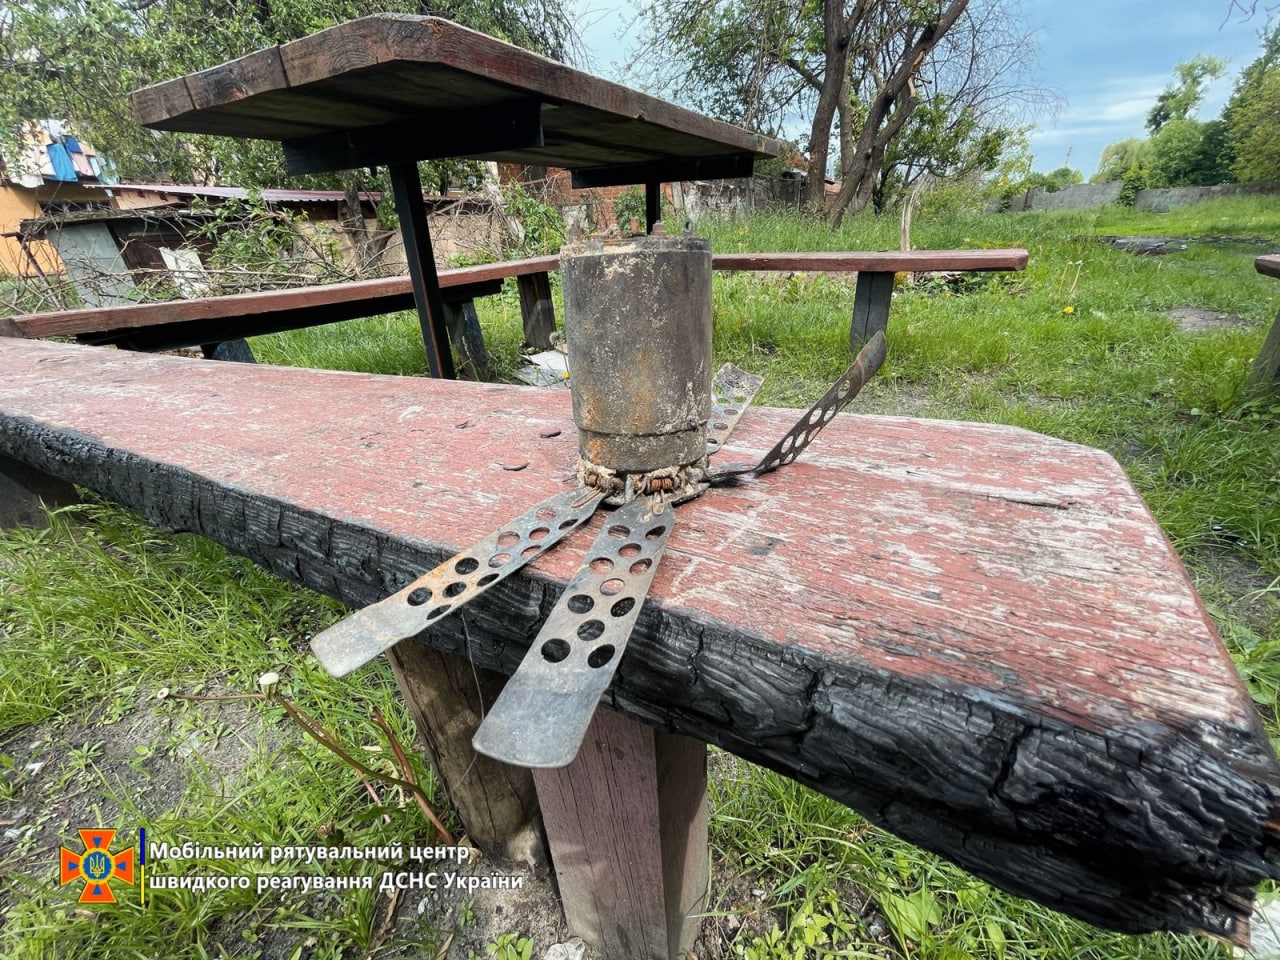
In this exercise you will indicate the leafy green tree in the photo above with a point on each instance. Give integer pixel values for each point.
(78, 61)
(1255, 132)
(1181, 98)
(1252, 115)
(1119, 158)
(1187, 153)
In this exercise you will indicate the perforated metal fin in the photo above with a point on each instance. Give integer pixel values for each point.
(837, 397)
(543, 712)
(732, 391)
(359, 638)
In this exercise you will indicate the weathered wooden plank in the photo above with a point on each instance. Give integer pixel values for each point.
(283, 309)
(602, 819)
(537, 310)
(330, 303)
(420, 55)
(496, 802)
(627, 827)
(1001, 658)
(890, 261)
(467, 340)
(1266, 368)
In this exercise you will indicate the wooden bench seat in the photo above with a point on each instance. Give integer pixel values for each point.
(975, 635)
(210, 320)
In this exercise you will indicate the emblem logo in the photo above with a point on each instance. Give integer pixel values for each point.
(97, 866)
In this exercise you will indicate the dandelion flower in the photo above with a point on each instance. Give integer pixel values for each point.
(1068, 309)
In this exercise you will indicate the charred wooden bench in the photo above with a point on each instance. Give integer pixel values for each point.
(1266, 369)
(974, 635)
(210, 321)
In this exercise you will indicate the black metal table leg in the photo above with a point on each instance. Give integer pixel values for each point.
(407, 187)
(652, 205)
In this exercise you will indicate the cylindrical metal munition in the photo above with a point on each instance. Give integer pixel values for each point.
(637, 317)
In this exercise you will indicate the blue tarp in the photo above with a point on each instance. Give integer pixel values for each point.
(63, 168)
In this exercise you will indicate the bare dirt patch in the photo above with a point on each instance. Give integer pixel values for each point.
(1200, 320)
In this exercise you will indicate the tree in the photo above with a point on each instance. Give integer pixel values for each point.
(78, 61)
(1119, 158)
(1251, 117)
(1181, 98)
(1187, 153)
(878, 80)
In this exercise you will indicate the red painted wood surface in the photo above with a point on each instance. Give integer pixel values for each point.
(890, 261)
(394, 293)
(976, 635)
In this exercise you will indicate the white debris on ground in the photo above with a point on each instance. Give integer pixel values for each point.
(571, 949)
(550, 368)
(1264, 932)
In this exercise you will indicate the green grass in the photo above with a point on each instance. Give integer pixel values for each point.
(113, 612)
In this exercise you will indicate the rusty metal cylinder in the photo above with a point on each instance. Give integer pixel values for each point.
(637, 317)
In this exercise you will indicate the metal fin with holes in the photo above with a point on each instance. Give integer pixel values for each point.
(376, 628)
(732, 390)
(837, 397)
(543, 713)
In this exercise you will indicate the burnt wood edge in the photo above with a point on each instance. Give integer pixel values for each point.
(1141, 827)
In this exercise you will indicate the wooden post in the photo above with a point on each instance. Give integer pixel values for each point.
(537, 310)
(627, 826)
(1266, 369)
(496, 802)
(870, 307)
(407, 187)
(25, 490)
(467, 338)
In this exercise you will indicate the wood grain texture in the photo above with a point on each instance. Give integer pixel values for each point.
(1001, 658)
(1266, 368)
(335, 80)
(496, 802)
(537, 309)
(603, 826)
(889, 261)
(300, 306)
(275, 310)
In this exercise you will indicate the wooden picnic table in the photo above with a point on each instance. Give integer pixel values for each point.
(395, 89)
(975, 635)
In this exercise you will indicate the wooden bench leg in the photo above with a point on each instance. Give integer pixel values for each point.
(870, 307)
(25, 490)
(627, 826)
(1266, 369)
(235, 351)
(447, 698)
(467, 339)
(537, 309)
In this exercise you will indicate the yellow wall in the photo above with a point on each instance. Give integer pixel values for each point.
(20, 203)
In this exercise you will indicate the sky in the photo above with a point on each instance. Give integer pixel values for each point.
(1106, 60)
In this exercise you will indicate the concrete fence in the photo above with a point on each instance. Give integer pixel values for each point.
(1085, 195)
